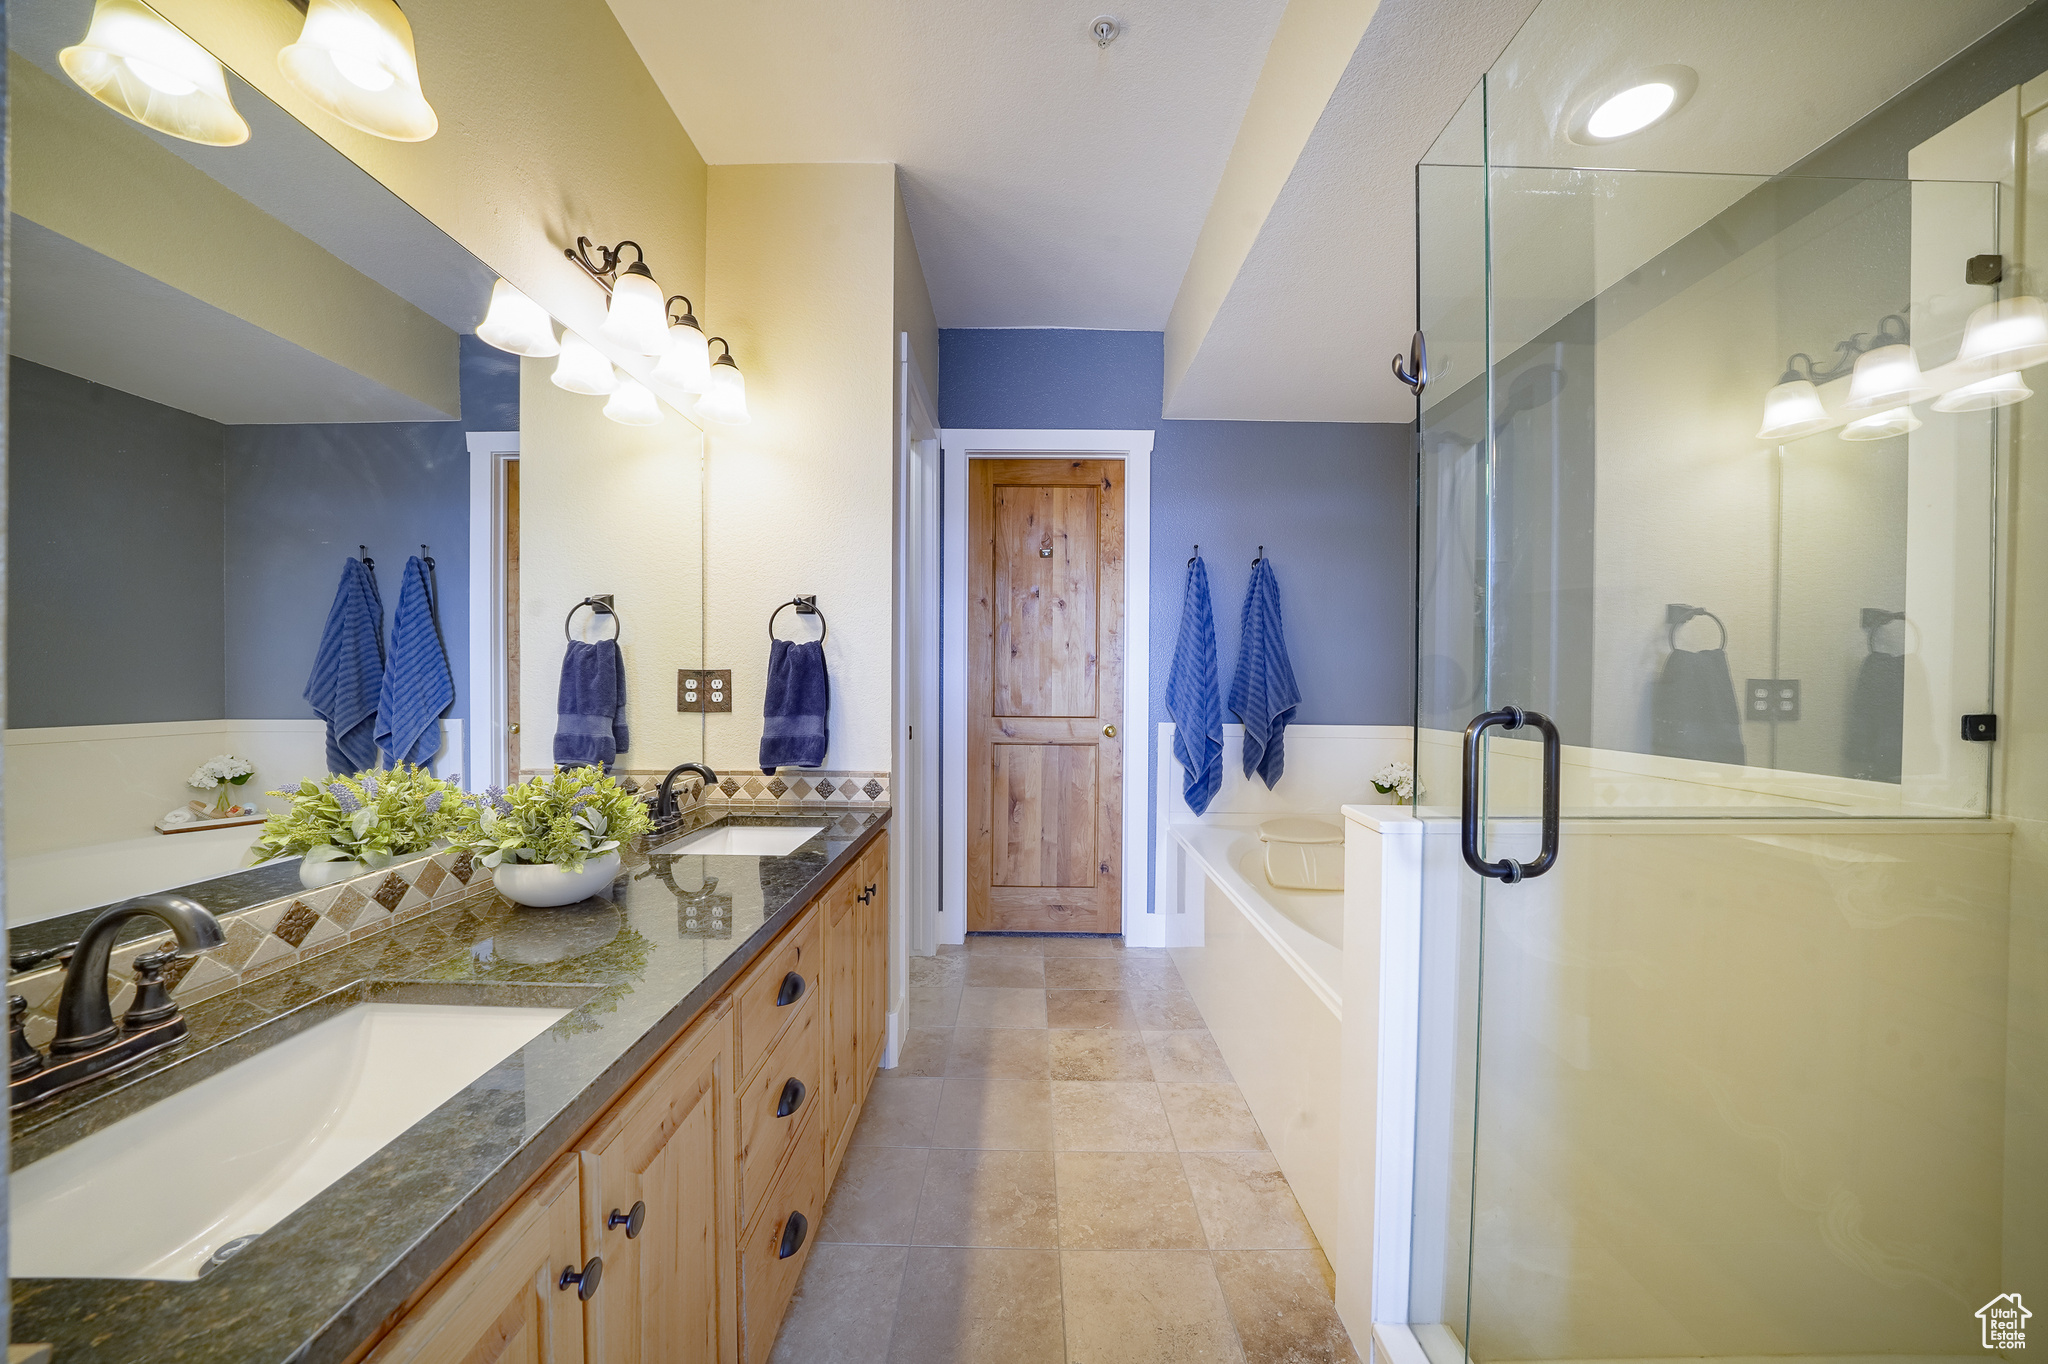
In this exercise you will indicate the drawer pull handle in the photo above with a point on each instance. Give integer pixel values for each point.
(867, 896)
(792, 990)
(793, 1235)
(631, 1221)
(792, 1097)
(587, 1281)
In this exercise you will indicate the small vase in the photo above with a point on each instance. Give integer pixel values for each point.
(222, 806)
(313, 875)
(543, 885)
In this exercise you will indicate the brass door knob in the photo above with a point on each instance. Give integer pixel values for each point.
(1109, 731)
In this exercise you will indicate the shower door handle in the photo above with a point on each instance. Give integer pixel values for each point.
(1508, 870)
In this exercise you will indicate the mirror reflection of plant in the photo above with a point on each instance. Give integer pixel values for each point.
(560, 817)
(371, 817)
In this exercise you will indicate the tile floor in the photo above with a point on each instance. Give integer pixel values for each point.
(1060, 1171)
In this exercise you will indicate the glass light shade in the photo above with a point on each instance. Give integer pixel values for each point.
(686, 366)
(638, 316)
(354, 58)
(1897, 422)
(725, 395)
(632, 405)
(135, 62)
(2009, 334)
(1792, 410)
(517, 324)
(583, 368)
(2000, 390)
(1886, 377)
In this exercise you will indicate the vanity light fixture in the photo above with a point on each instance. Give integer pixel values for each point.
(637, 317)
(686, 364)
(632, 405)
(725, 394)
(1793, 409)
(583, 368)
(137, 63)
(2000, 390)
(1623, 108)
(1886, 377)
(355, 59)
(1883, 425)
(2010, 334)
(517, 324)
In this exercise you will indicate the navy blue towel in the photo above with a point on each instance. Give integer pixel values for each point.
(1692, 708)
(1193, 696)
(1263, 692)
(799, 698)
(417, 684)
(348, 671)
(590, 712)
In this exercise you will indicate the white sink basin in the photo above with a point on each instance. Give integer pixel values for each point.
(156, 1194)
(744, 840)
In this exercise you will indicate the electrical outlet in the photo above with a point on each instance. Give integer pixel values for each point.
(1771, 698)
(704, 691)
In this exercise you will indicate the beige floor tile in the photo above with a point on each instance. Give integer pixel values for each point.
(899, 1111)
(1014, 969)
(934, 1006)
(979, 1307)
(997, 1054)
(1005, 942)
(952, 949)
(1125, 1200)
(1121, 972)
(1146, 1307)
(941, 970)
(1108, 1115)
(874, 1200)
(924, 1052)
(1281, 1302)
(1164, 1010)
(995, 1115)
(844, 1307)
(989, 1006)
(1244, 1201)
(1210, 1118)
(989, 1198)
(1082, 946)
(1087, 1054)
(1089, 1009)
(1186, 1057)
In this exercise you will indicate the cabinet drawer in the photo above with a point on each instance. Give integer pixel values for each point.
(765, 1138)
(767, 1279)
(761, 1019)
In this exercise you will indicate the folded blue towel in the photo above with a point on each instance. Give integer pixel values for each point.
(417, 684)
(799, 698)
(1263, 692)
(590, 713)
(1193, 697)
(348, 671)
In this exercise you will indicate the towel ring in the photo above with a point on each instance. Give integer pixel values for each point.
(805, 606)
(1675, 616)
(602, 606)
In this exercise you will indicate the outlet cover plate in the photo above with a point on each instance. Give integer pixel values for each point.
(704, 691)
(1770, 698)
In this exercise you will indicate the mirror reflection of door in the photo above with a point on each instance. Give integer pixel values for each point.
(1045, 693)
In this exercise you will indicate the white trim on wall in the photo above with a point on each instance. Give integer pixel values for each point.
(488, 453)
(914, 841)
(1134, 448)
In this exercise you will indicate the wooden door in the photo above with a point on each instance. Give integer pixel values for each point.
(669, 1294)
(1045, 683)
(503, 1301)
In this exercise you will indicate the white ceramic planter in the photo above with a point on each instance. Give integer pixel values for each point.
(313, 875)
(543, 885)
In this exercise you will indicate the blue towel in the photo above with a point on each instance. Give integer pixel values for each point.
(590, 713)
(1193, 697)
(417, 683)
(799, 698)
(349, 670)
(1263, 692)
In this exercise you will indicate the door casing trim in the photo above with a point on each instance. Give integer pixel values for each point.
(1134, 448)
(489, 451)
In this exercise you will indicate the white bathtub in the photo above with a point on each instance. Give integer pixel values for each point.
(44, 885)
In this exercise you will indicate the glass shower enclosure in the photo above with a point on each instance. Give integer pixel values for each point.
(1756, 1067)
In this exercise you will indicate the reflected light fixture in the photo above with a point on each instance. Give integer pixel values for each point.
(1886, 377)
(2010, 334)
(2001, 390)
(1884, 425)
(516, 323)
(637, 316)
(632, 405)
(1624, 109)
(686, 364)
(725, 394)
(1793, 409)
(583, 368)
(137, 63)
(354, 58)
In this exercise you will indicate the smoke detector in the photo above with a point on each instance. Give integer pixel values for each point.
(1105, 29)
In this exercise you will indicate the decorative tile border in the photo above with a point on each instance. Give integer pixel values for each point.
(267, 938)
(803, 789)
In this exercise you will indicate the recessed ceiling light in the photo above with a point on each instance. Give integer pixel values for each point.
(1625, 107)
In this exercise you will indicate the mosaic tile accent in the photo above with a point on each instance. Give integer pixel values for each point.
(776, 788)
(391, 891)
(295, 924)
(430, 878)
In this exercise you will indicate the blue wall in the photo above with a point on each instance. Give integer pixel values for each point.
(1332, 502)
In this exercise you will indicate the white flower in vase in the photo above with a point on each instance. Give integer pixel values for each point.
(1397, 780)
(216, 774)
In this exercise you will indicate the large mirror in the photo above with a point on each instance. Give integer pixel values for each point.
(247, 396)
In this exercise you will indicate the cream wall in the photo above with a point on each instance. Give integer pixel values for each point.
(914, 300)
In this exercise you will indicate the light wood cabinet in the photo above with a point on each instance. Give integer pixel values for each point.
(843, 1009)
(779, 1238)
(872, 874)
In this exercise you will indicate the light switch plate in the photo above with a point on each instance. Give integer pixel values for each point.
(704, 691)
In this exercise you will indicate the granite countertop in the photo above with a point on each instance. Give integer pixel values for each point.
(634, 969)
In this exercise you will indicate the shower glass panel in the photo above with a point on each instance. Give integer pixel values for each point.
(1732, 1079)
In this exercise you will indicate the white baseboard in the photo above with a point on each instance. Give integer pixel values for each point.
(892, 1042)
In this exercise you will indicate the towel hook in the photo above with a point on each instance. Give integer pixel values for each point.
(805, 606)
(425, 557)
(363, 553)
(1261, 555)
(1196, 555)
(602, 606)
